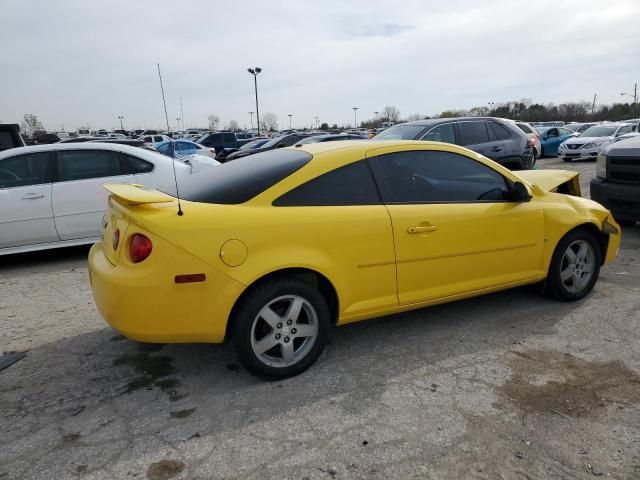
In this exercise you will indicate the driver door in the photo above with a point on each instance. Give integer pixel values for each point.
(455, 228)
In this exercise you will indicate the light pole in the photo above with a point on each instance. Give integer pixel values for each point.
(355, 117)
(120, 117)
(255, 71)
(290, 115)
(316, 118)
(635, 99)
(178, 122)
(251, 119)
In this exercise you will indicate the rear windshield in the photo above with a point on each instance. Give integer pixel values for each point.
(240, 180)
(400, 132)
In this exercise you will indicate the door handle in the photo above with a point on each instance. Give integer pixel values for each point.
(419, 229)
(33, 196)
(496, 149)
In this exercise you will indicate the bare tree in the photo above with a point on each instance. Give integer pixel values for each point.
(214, 121)
(233, 125)
(269, 122)
(415, 116)
(31, 124)
(391, 113)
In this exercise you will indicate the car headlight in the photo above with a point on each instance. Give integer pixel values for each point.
(601, 166)
(590, 145)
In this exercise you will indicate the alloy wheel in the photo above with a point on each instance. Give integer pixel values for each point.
(578, 266)
(284, 331)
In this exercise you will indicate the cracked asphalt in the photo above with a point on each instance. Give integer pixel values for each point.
(510, 385)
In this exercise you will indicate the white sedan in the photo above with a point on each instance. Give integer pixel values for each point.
(52, 196)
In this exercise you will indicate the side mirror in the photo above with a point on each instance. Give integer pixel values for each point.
(519, 192)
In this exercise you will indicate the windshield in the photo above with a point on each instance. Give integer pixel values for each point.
(400, 132)
(600, 131)
(242, 179)
(574, 127)
(311, 140)
(254, 144)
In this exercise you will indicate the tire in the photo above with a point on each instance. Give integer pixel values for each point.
(565, 159)
(541, 151)
(265, 316)
(572, 275)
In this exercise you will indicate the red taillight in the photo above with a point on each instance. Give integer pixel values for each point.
(531, 142)
(115, 239)
(140, 248)
(213, 150)
(538, 136)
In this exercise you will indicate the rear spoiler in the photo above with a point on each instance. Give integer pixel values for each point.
(133, 194)
(560, 181)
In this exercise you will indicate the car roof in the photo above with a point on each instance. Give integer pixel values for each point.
(117, 147)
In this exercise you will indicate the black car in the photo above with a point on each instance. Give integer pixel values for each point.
(46, 138)
(494, 138)
(617, 181)
(331, 138)
(224, 140)
(277, 142)
(10, 136)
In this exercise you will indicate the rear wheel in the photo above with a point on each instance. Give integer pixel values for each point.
(575, 266)
(280, 329)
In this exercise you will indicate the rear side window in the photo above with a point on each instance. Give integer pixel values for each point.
(240, 180)
(472, 133)
(441, 133)
(25, 170)
(229, 138)
(524, 128)
(290, 140)
(138, 165)
(498, 132)
(84, 164)
(352, 184)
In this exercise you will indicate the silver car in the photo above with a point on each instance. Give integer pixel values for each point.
(532, 134)
(591, 142)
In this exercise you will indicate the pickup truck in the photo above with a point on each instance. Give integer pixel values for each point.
(10, 136)
(617, 181)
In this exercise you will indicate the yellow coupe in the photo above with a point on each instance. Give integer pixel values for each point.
(272, 249)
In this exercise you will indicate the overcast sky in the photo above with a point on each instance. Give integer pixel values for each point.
(85, 63)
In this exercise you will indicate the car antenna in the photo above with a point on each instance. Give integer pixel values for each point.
(173, 160)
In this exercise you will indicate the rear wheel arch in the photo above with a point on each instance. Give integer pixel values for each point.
(309, 276)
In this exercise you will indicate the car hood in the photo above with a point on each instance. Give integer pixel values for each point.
(550, 180)
(581, 140)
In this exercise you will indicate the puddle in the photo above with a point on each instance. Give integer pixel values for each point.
(153, 371)
(554, 382)
(165, 469)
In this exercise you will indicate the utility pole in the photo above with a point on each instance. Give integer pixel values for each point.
(251, 119)
(593, 105)
(181, 114)
(316, 117)
(355, 117)
(255, 71)
(635, 99)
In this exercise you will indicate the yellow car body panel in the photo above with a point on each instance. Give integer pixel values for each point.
(369, 254)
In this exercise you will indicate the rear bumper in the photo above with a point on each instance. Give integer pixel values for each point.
(622, 199)
(143, 302)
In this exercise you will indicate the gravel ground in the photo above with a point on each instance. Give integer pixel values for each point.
(510, 385)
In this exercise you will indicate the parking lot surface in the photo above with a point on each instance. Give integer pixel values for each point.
(511, 385)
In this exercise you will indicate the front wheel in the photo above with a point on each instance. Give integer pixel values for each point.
(281, 328)
(575, 266)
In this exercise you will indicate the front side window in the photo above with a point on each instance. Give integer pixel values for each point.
(441, 133)
(352, 184)
(25, 170)
(437, 177)
(552, 133)
(290, 140)
(625, 129)
(473, 133)
(84, 164)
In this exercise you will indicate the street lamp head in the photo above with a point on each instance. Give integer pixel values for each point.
(258, 69)
(251, 71)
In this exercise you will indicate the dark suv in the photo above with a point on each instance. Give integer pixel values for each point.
(221, 140)
(494, 138)
(617, 182)
(276, 142)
